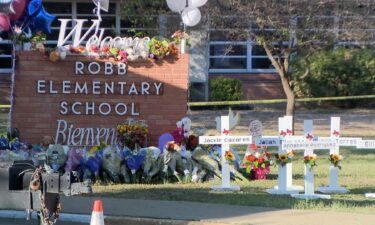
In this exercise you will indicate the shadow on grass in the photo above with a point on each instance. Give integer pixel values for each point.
(363, 191)
(249, 196)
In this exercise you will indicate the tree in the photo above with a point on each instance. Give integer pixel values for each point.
(286, 28)
(143, 14)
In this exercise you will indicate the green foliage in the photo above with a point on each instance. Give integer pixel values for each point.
(143, 14)
(342, 72)
(225, 89)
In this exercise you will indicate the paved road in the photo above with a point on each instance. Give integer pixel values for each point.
(33, 222)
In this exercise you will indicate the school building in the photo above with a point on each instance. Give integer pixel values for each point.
(246, 61)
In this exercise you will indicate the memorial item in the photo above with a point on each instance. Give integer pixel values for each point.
(133, 134)
(56, 158)
(310, 161)
(152, 163)
(283, 159)
(257, 164)
(335, 160)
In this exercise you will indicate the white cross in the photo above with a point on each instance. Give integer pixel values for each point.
(334, 186)
(225, 140)
(309, 143)
(285, 178)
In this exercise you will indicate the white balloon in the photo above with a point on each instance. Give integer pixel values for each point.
(197, 3)
(176, 5)
(191, 16)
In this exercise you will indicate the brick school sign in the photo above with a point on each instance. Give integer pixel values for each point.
(80, 100)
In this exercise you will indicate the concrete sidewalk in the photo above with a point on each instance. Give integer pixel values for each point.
(129, 211)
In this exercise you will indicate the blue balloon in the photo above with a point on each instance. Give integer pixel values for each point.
(34, 7)
(42, 21)
(164, 139)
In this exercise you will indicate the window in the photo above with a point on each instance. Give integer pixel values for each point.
(81, 10)
(5, 57)
(242, 56)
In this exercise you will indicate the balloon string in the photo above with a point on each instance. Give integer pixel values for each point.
(25, 24)
(97, 12)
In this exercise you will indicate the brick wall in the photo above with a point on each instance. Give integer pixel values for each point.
(258, 86)
(5, 83)
(36, 114)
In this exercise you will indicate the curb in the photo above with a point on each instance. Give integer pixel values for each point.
(151, 221)
(110, 220)
(66, 217)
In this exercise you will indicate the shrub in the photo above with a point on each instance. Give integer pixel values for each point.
(341, 72)
(225, 89)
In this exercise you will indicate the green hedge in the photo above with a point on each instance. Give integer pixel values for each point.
(225, 89)
(341, 72)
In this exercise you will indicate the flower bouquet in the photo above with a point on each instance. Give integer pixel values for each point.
(310, 161)
(335, 160)
(159, 48)
(180, 38)
(283, 159)
(257, 164)
(133, 134)
(111, 163)
(93, 162)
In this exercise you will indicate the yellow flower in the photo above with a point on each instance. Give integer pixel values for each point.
(283, 157)
(312, 157)
(229, 156)
(94, 149)
(335, 157)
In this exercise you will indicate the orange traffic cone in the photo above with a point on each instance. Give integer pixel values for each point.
(97, 217)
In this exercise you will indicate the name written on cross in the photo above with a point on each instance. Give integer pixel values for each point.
(224, 140)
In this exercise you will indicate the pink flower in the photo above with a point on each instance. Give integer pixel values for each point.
(122, 56)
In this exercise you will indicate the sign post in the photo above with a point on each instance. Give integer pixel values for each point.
(225, 141)
(285, 181)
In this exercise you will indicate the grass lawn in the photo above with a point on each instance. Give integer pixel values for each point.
(357, 174)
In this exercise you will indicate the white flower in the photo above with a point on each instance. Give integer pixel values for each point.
(195, 178)
(17, 30)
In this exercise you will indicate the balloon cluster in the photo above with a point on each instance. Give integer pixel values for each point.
(18, 16)
(190, 13)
